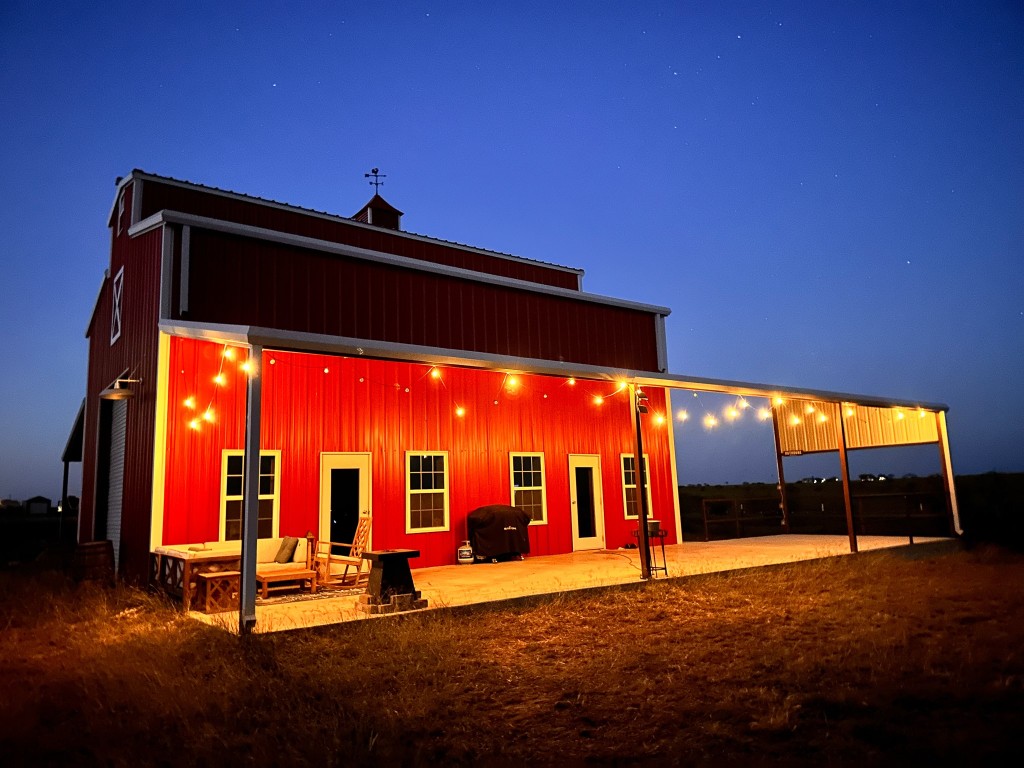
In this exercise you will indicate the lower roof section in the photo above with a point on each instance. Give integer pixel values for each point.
(271, 338)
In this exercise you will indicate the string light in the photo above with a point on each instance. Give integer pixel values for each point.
(778, 401)
(849, 411)
(512, 382)
(598, 400)
(809, 410)
(248, 367)
(732, 413)
(435, 374)
(208, 416)
(743, 403)
(794, 420)
(659, 419)
(921, 413)
(194, 424)
(899, 415)
(764, 414)
(682, 416)
(190, 403)
(571, 381)
(229, 353)
(822, 418)
(460, 411)
(326, 369)
(710, 422)
(219, 380)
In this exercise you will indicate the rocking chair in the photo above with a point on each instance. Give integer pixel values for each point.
(332, 568)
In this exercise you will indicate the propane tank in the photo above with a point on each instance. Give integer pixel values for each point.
(464, 553)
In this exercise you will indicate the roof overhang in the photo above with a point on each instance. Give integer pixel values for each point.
(270, 338)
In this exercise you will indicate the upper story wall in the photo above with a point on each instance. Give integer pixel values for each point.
(234, 279)
(166, 194)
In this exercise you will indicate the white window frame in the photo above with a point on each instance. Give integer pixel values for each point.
(409, 492)
(622, 479)
(120, 210)
(117, 290)
(225, 498)
(542, 487)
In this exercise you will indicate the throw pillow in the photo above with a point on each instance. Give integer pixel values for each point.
(287, 550)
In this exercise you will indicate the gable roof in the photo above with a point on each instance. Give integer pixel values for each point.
(142, 175)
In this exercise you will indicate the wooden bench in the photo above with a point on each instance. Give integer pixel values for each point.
(270, 581)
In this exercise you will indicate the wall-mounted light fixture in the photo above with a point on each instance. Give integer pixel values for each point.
(120, 390)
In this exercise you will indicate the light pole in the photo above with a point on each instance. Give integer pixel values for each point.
(639, 400)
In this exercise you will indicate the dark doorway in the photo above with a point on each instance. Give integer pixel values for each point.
(585, 522)
(344, 506)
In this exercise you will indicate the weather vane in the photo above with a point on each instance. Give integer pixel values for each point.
(377, 176)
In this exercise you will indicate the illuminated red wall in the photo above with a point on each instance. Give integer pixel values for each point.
(388, 408)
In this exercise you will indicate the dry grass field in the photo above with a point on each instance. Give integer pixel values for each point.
(896, 658)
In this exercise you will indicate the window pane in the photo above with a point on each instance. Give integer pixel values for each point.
(233, 487)
(235, 465)
(439, 480)
(414, 463)
(266, 485)
(267, 465)
(427, 463)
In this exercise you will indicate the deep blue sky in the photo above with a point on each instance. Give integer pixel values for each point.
(827, 195)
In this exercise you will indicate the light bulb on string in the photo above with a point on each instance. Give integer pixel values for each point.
(682, 416)
(764, 414)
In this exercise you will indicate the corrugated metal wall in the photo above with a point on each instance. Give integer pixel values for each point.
(386, 409)
(135, 352)
(239, 280)
(158, 196)
(809, 426)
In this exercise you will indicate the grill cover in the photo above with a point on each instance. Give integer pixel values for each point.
(498, 530)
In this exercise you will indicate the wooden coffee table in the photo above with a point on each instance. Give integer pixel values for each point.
(270, 580)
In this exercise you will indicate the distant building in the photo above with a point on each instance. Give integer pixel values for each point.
(38, 505)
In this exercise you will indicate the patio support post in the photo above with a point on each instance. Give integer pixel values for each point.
(251, 494)
(947, 474)
(845, 468)
(641, 489)
(783, 500)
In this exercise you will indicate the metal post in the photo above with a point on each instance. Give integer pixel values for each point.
(251, 494)
(783, 499)
(845, 467)
(641, 487)
(947, 474)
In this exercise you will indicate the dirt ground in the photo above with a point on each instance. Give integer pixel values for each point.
(890, 657)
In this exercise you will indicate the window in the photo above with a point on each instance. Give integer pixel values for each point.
(630, 499)
(426, 492)
(120, 211)
(528, 485)
(232, 486)
(115, 308)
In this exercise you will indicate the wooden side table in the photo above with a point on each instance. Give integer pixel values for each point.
(219, 590)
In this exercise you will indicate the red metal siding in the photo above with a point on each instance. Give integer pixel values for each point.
(158, 196)
(388, 408)
(244, 281)
(134, 352)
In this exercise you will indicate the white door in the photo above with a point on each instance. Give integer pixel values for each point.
(587, 502)
(345, 483)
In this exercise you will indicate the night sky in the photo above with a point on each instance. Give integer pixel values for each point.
(827, 195)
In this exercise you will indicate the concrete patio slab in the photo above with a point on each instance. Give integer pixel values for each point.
(458, 585)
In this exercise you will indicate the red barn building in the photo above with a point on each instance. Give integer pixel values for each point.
(412, 378)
